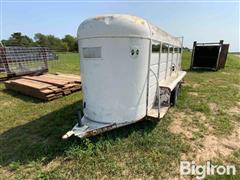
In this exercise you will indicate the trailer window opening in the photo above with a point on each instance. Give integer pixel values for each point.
(92, 52)
(170, 49)
(176, 50)
(165, 48)
(180, 50)
(156, 48)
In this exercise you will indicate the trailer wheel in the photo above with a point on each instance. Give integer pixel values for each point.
(174, 94)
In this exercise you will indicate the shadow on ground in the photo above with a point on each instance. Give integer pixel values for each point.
(22, 96)
(40, 139)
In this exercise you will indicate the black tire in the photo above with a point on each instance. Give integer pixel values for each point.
(80, 115)
(174, 95)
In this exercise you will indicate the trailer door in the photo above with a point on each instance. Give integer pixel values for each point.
(153, 73)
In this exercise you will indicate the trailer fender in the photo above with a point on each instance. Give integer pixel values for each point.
(174, 94)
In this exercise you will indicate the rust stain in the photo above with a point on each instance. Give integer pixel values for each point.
(100, 130)
(134, 19)
(137, 20)
(99, 18)
(103, 18)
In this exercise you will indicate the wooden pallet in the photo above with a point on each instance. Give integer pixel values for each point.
(46, 86)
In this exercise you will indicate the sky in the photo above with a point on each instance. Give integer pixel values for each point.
(196, 21)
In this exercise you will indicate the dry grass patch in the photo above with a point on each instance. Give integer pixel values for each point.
(215, 147)
(193, 93)
(226, 73)
(5, 173)
(234, 110)
(207, 146)
(196, 85)
(52, 165)
(188, 124)
(213, 107)
(177, 126)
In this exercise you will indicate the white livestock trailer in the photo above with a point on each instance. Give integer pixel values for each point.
(130, 70)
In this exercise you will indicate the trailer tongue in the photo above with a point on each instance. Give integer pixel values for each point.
(92, 128)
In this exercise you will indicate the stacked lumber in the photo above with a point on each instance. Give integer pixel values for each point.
(46, 86)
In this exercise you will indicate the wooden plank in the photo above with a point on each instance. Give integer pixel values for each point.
(59, 94)
(67, 91)
(76, 88)
(56, 89)
(31, 83)
(7, 82)
(76, 78)
(54, 97)
(47, 86)
(61, 78)
(50, 95)
(69, 86)
(26, 90)
(47, 91)
(59, 83)
(68, 75)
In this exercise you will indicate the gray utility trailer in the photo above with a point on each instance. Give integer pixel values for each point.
(130, 70)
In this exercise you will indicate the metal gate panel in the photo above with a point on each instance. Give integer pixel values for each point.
(154, 65)
(169, 65)
(16, 60)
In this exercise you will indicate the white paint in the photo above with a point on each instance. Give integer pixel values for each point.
(188, 168)
(115, 85)
(120, 25)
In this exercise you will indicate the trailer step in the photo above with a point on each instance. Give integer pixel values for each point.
(172, 81)
(153, 113)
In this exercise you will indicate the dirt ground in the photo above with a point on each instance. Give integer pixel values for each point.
(209, 146)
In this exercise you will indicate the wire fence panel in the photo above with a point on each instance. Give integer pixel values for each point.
(25, 60)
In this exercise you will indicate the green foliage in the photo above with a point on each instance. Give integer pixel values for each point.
(17, 39)
(71, 43)
(51, 41)
(69, 63)
(68, 43)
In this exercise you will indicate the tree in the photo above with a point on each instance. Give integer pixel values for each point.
(41, 39)
(17, 39)
(68, 43)
(50, 41)
(71, 43)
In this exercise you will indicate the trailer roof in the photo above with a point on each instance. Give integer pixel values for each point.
(121, 25)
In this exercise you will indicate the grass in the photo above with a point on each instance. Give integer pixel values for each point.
(30, 131)
(69, 63)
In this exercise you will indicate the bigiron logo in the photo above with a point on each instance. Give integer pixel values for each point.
(207, 169)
